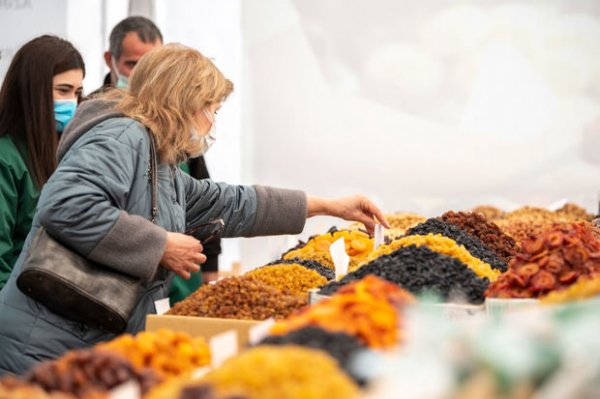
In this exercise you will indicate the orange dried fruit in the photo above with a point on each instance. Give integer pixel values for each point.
(528, 270)
(543, 281)
(554, 239)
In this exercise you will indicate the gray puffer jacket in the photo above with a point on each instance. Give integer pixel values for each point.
(98, 203)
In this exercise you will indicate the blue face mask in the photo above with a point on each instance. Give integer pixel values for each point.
(63, 113)
(122, 80)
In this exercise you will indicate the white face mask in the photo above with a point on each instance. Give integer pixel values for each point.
(207, 141)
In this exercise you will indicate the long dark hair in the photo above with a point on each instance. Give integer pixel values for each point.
(27, 104)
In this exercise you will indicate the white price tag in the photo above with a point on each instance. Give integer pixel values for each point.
(223, 346)
(341, 260)
(259, 331)
(379, 238)
(162, 306)
(556, 205)
(127, 390)
(199, 373)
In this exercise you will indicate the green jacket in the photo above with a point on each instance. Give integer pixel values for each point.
(18, 199)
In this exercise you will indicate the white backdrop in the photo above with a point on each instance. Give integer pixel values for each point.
(425, 106)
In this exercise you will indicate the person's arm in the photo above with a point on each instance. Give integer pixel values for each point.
(356, 208)
(248, 211)
(260, 210)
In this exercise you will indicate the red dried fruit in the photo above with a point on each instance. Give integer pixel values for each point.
(554, 239)
(575, 254)
(527, 270)
(543, 281)
(568, 277)
(533, 246)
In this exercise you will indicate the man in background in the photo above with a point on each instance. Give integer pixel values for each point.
(129, 40)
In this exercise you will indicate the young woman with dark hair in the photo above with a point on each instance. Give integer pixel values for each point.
(40, 92)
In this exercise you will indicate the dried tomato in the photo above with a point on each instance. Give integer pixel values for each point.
(543, 281)
(528, 270)
(575, 254)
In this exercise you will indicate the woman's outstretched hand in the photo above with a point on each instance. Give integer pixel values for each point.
(182, 254)
(356, 208)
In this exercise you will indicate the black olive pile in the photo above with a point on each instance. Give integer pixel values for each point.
(326, 272)
(472, 244)
(419, 270)
(342, 347)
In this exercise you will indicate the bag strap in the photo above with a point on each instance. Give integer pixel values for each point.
(153, 171)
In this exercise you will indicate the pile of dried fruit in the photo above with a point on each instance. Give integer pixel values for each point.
(186, 388)
(399, 222)
(276, 372)
(585, 287)
(342, 347)
(85, 373)
(575, 212)
(326, 272)
(167, 352)
(358, 246)
(419, 270)
(13, 388)
(366, 309)
(489, 212)
(473, 245)
(551, 261)
(442, 245)
(487, 232)
(291, 278)
(528, 221)
(239, 298)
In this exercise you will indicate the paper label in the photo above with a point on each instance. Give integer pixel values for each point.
(223, 346)
(259, 331)
(379, 238)
(341, 260)
(162, 306)
(127, 390)
(556, 205)
(200, 372)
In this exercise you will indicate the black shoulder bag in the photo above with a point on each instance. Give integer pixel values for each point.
(76, 288)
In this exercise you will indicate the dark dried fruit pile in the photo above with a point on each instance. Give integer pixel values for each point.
(551, 261)
(239, 298)
(326, 272)
(473, 245)
(476, 225)
(339, 345)
(14, 388)
(86, 372)
(419, 269)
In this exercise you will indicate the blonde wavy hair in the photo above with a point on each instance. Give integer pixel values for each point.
(170, 85)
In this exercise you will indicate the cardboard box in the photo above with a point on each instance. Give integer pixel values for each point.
(202, 326)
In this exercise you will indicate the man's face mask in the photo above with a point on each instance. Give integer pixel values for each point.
(64, 110)
(122, 80)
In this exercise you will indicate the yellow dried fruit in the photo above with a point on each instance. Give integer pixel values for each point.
(276, 372)
(293, 278)
(442, 245)
(358, 246)
(584, 288)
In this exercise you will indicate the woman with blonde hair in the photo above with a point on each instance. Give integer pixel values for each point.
(99, 201)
